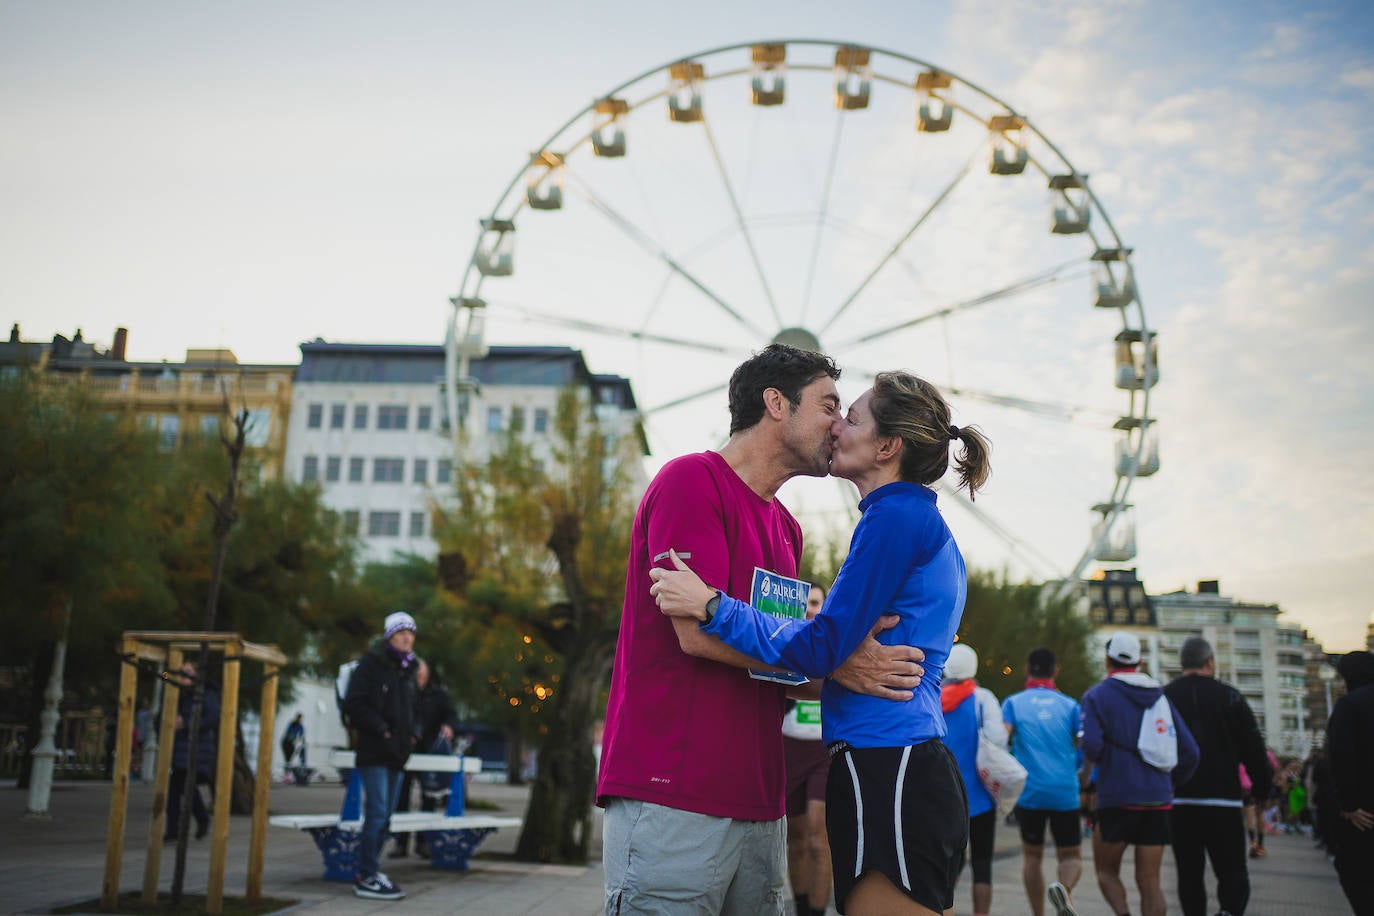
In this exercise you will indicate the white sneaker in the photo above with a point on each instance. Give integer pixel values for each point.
(1060, 900)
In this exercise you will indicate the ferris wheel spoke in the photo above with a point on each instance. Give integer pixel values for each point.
(892, 252)
(1052, 410)
(1016, 544)
(647, 243)
(610, 330)
(1025, 284)
(825, 210)
(687, 398)
(740, 220)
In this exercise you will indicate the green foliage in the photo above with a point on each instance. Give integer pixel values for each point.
(1005, 620)
(74, 495)
(94, 516)
(533, 563)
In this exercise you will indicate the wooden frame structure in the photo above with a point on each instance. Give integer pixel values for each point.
(169, 649)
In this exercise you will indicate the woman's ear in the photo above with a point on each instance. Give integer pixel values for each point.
(889, 447)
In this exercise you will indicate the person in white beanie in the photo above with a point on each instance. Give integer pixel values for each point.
(380, 705)
(970, 712)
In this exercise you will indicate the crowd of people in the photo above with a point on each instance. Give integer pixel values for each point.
(709, 766)
(837, 740)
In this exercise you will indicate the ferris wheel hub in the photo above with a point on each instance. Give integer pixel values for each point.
(800, 338)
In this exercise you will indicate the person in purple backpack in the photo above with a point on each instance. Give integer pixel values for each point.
(1134, 797)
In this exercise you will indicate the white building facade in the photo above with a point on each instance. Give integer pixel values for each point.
(368, 423)
(1258, 654)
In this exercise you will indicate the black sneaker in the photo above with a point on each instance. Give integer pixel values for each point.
(376, 887)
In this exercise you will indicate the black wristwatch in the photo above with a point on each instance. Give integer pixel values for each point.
(711, 607)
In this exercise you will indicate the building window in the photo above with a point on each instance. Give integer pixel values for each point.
(360, 416)
(337, 412)
(388, 470)
(541, 419)
(259, 427)
(350, 521)
(424, 417)
(209, 426)
(167, 426)
(443, 472)
(331, 468)
(311, 471)
(392, 416)
(314, 416)
(417, 524)
(355, 470)
(493, 419)
(384, 524)
(517, 419)
(421, 470)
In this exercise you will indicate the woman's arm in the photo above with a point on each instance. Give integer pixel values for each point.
(877, 567)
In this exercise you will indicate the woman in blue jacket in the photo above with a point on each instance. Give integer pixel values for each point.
(896, 812)
(971, 713)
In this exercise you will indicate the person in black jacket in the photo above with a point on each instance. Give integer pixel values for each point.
(380, 706)
(1350, 753)
(437, 720)
(1208, 820)
(181, 753)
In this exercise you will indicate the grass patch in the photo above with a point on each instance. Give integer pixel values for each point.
(191, 905)
(480, 804)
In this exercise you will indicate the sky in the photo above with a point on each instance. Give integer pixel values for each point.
(256, 175)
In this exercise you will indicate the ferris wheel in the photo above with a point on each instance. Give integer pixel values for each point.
(860, 202)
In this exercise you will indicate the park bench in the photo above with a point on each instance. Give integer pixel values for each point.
(452, 835)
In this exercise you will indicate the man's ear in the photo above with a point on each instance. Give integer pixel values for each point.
(775, 403)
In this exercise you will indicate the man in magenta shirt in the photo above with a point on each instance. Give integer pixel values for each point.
(692, 774)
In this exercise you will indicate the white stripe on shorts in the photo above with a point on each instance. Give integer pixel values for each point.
(897, 817)
(859, 816)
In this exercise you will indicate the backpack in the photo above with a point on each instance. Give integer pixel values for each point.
(1157, 743)
(340, 694)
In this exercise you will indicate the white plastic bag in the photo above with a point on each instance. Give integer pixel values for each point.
(1001, 774)
(1158, 739)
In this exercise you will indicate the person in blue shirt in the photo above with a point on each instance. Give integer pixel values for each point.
(971, 714)
(1045, 726)
(897, 812)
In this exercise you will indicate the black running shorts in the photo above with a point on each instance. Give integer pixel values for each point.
(899, 811)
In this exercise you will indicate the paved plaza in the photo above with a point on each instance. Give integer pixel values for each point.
(60, 861)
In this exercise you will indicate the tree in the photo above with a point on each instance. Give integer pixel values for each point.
(536, 551)
(1004, 620)
(73, 544)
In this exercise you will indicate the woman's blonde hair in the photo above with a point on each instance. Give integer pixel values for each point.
(913, 410)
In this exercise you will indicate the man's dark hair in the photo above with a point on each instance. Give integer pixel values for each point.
(779, 366)
(1194, 653)
(1040, 662)
(1114, 665)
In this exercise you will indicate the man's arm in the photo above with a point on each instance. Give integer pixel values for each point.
(887, 672)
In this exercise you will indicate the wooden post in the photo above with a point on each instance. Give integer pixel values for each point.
(224, 775)
(119, 795)
(166, 738)
(263, 784)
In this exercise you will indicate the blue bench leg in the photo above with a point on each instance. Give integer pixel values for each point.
(451, 849)
(340, 851)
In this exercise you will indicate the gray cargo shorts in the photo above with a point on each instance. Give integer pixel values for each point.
(662, 861)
